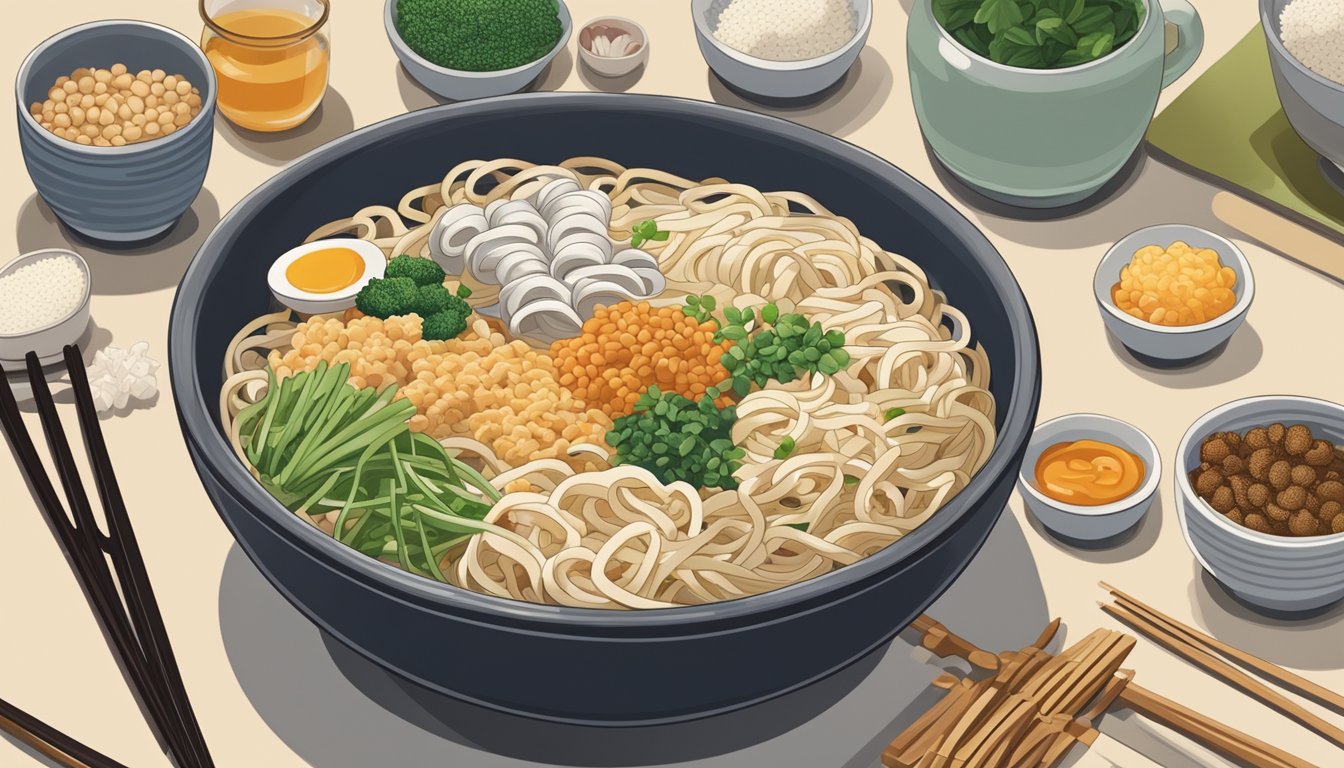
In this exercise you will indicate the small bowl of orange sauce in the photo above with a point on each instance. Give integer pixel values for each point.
(1089, 479)
(324, 276)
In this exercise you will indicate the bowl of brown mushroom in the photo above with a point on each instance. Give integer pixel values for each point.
(1260, 496)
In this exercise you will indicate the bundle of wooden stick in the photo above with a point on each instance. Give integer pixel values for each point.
(1036, 707)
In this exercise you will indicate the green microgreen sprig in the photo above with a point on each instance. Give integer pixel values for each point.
(645, 231)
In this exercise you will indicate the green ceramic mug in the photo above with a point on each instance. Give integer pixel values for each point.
(1043, 138)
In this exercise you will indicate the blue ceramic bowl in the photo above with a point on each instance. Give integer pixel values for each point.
(116, 194)
(615, 667)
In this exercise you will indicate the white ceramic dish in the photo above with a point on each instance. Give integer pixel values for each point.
(613, 66)
(49, 340)
(778, 79)
(375, 264)
(461, 85)
(1279, 574)
(1163, 345)
(1094, 524)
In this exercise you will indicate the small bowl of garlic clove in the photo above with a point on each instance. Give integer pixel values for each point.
(612, 46)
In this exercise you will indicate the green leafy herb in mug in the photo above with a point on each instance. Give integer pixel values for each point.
(1041, 34)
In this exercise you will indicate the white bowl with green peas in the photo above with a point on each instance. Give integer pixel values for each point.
(464, 85)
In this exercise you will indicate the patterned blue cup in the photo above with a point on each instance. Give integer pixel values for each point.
(116, 194)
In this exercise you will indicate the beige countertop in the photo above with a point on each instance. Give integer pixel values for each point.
(270, 692)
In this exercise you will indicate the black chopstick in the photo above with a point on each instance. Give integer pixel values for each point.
(128, 561)
(49, 741)
(141, 639)
(90, 564)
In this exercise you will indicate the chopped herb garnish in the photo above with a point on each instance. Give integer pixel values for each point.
(645, 231)
(785, 448)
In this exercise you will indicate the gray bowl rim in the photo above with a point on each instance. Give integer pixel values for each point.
(1233, 315)
(567, 24)
(207, 104)
(200, 428)
(14, 264)
(1269, 22)
(1212, 422)
(770, 65)
(1152, 474)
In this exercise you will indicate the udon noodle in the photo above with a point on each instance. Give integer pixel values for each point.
(858, 480)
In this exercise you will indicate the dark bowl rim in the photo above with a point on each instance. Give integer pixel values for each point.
(200, 427)
(169, 35)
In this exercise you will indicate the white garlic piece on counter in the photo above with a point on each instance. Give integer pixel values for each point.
(118, 376)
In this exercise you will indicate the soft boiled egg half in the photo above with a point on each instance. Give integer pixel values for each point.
(324, 276)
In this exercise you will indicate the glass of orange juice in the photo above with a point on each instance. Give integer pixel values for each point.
(271, 58)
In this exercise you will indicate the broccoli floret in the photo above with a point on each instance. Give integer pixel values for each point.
(433, 299)
(385, 297)
(421, 271)
(445, 325)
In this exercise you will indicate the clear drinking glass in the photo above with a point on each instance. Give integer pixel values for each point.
(271, 58)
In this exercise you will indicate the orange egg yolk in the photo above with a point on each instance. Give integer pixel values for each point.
(1088, 472)
(325, 271)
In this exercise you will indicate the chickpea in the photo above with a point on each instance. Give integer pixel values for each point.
(113, 107)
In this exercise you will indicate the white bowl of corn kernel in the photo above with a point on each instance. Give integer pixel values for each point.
(1173, 294)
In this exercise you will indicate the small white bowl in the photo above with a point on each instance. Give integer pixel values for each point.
(1165, 345)
(1276, 574)
(613, 66)
(1090, 524)
(461, 85)
(779, 79)
(375, 264)
(50, 340)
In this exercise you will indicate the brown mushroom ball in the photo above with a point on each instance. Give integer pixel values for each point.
(1304, 524)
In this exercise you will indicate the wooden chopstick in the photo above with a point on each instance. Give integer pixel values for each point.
(941, 643)
(1228, 673)
(1269, 669)
(1223, 739)
(57, 746)
(129, 562)
(1220, 737)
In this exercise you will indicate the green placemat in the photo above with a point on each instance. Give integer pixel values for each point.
(1228, 127)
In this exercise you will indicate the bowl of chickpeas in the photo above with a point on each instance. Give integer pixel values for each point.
(1173, 294)
(116, 122)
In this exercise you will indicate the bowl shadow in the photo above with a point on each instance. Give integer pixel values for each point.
(839, 110)
(332, 119)
(115, 270)
(1235, 358)
(1310, 642)
(416, 96)
(1118, 549)
(301, 682)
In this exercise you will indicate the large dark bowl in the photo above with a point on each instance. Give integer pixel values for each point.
(584, 665)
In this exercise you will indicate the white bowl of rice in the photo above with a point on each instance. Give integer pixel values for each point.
(781, 49)
(1306, 52)
(44, 304)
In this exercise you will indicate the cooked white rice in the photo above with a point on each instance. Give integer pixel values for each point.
(40, 293)
(784, 30)
(1313, 31)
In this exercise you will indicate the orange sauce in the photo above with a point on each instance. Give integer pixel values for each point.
(272, 74)
(1088, 473)
(326, 270)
